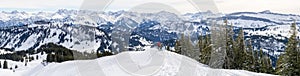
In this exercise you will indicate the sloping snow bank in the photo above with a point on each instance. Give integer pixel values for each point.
(134, 63)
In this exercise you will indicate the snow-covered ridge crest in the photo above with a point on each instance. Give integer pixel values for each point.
(83, 17)
(96, 18)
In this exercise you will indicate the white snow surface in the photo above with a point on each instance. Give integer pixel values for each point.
(152, 62)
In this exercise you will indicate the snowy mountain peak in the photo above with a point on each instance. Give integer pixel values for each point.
(164, 13)
(266, 12)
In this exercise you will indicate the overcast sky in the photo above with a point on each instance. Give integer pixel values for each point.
(181, 6)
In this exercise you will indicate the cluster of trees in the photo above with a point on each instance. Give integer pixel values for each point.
(18, 56)
(56, 53)
(104, 53)
(239, 52)
(289, 62)
(185, 47)
(21, 56)
(241, 55)
(5, 65)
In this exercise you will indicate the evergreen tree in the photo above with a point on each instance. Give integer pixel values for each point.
(289, 62)
(239, 51)
(200, 46)
(31, 58)
(297, 63)
(178, 47)
(280, 64)
(5, 66)
(205, 50)
(37, 57)
(190, 49)
(266, 65)
(187, 47)
(98, 54)
(228, 64)
(26, 62)
(260, 61)
(256, 62)
(42, 53)
(249, 58)
(183, 46)
(297, 66)
(22, 59)
(49, 58)
(168, 48)
(105, 53)
(16, 66)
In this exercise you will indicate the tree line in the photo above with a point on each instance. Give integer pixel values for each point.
(240, 54)
(289, 62)
(58, 53)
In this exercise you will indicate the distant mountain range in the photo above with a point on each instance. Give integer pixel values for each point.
(88, 31)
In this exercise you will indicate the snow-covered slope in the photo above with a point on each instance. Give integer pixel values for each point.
(23, 69)
(140, 63)
(73, 37)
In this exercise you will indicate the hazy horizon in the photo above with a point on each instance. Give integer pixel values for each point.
(183, 6)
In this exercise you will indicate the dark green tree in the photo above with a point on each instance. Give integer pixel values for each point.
(205, 49)
(26, 62)
(201, 48)
(22, 60)
(178, 47)
(183, 43)
(31, 58)
(260, 60)
(228, 63)
(5, 66)
(249, 58)
(36, 57)
(97, 53)
(168, 48)
(42, 53)
(189, 49)
(50, 58)
(257, 64)
(289, 61)
(280, 65)
(239, 51)
(266, 65)
(16, 66)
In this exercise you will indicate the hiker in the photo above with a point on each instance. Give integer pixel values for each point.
(159, 45)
